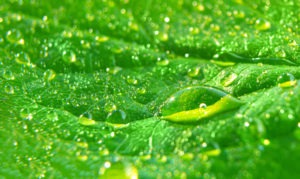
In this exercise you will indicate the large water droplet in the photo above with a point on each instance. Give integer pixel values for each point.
(183, 106)
(286, 80)
(190, 98)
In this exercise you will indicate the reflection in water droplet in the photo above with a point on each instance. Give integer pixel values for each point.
(49, 75)
(262, 24)
(69, 56)
(9, 89)
(8, 75)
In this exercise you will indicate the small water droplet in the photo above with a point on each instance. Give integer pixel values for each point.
(215, 27)
(8, 75)
(131, 80)
(113, 70)
(262, 24)
(229, 80)
(162, 36)
(193, 72)
(101, 39)
(162, 61)
(69, 56)
(238, 14)
(9, 89)
(202, 105)
(141, 90)
(23, 58)
(26, 114)
(15, 36)
(49, 75)
(85, 44)
(280, 52)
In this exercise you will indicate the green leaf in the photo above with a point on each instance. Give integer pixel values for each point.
(92, 89)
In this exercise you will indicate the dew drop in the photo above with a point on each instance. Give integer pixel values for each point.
(26, 114)
(49, 75)
(262, 24)
(113, 70)
(86, 121)
(8, 75)
(141, 90)
(202, 105)
(15, 36)
(163, 36)
(9, 89)
(280, 52)
(118, 170)
(23, 58)
(183, 106)
(286, 80)
(131, 80)
(229, 80)
(101, 39)
(193, 72)
(238, 14)
(215, 27)
(69, 56)
(162, 62)
(85, 44)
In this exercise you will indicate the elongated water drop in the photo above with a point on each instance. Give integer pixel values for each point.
(183, 106)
